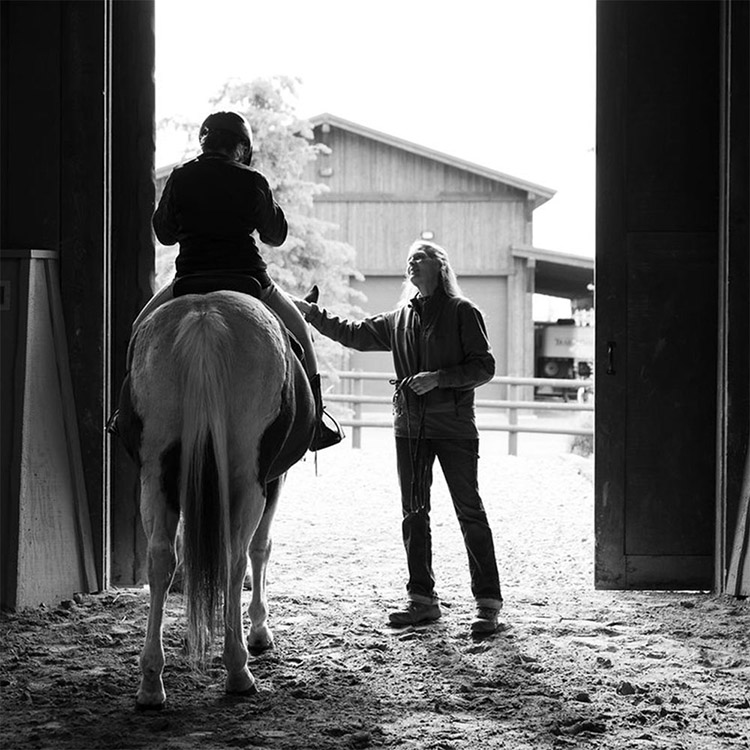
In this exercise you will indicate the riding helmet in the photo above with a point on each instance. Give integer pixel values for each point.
(232, 122)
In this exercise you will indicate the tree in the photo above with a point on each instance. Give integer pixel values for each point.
(283, 148)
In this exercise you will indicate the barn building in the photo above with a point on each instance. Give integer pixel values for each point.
(672, 476)
(385, 192)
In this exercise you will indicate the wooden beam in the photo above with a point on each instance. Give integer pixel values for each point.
(133, 256)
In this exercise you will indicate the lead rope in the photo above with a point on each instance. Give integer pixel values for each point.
(418, 493)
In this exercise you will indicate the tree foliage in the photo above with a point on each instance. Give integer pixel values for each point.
(283, 148)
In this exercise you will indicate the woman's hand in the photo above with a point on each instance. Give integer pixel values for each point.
(423, 382)
(302, 306)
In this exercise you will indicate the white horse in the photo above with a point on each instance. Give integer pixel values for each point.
(221, 408)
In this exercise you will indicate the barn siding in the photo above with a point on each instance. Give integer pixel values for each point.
(382, 198)
(478, 236)
(363, 165)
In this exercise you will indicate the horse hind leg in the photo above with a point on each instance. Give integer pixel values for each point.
(247, 510)
(260, 638)
(160, 525)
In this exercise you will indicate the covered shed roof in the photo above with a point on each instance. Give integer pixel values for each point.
(559, 274)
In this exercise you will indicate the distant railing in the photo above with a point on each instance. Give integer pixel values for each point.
(512, 405)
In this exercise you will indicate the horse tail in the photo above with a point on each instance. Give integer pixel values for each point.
(203, 348)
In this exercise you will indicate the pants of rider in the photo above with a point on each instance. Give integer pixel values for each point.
(458, 461)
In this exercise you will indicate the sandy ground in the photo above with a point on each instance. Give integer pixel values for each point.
(572, 667)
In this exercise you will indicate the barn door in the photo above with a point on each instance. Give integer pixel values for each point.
(656, 293)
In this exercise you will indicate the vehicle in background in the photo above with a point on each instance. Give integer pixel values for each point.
(563, 350)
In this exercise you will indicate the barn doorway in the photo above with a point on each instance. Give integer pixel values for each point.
(637, 545)
(573, 199)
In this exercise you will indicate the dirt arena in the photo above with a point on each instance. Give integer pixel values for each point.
(572, 667)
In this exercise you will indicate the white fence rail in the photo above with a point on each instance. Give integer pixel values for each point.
(356, 398)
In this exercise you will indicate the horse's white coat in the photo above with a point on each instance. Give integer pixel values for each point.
(211, 363)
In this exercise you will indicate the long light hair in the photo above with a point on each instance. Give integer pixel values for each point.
(447, 278)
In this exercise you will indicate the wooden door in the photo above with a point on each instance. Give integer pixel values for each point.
(658, 117)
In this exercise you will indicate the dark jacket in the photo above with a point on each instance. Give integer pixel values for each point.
(437, 333)
(211, 206)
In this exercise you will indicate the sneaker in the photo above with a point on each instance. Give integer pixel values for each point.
(485, 621)
(415, 613)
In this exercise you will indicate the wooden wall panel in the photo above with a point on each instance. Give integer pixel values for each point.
(477, 236)
(671, 477)
(362, 165)
(31, 93)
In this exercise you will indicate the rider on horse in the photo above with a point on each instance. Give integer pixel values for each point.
(211, 206)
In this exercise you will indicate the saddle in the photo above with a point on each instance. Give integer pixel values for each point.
(212, 281)
(203, 283)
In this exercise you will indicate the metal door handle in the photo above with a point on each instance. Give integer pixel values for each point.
(611, 357)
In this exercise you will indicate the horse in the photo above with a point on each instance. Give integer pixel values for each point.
(220, 408)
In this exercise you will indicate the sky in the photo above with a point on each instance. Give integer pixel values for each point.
(507, 84)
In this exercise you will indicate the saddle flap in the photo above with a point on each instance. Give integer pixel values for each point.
(287, 439)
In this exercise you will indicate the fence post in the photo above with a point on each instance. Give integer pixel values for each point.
(358, 386)
(512, 421)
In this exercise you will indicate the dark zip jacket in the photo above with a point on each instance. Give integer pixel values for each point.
(436, 333)
(211, 206)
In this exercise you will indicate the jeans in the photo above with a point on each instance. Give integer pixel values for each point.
(458, 460)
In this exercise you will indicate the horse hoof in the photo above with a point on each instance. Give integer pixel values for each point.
(252, 690)
(149, 706)
(241, 684)
(256, 649)
(259, 641)
(150, 698)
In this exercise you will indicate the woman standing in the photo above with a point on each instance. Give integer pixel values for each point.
(441, 353)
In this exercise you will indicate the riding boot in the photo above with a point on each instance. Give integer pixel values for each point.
(328, 431)
(115, 420)
(112, 427)
(124, 424)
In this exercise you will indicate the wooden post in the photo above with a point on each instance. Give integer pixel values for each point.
(132, 267)
(358, 387)
(512, 421)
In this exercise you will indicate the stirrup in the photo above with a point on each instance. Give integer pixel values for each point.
(328, 432)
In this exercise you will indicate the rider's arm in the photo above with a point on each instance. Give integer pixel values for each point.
(165, 224)
(269, 216)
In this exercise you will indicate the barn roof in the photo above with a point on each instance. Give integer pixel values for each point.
(538, 194)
